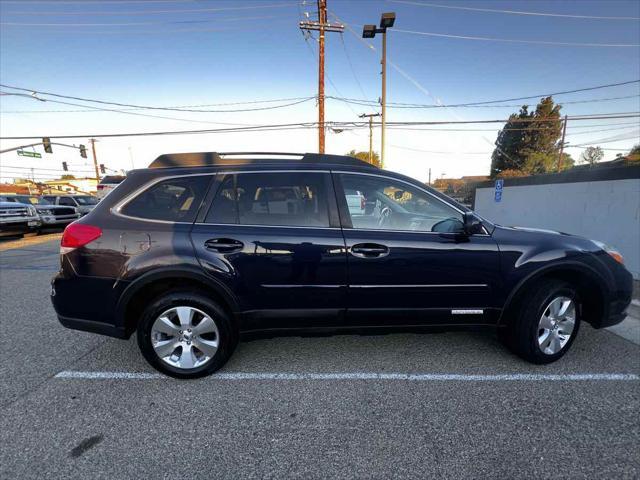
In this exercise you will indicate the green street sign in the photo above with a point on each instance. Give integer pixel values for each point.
(25, 153)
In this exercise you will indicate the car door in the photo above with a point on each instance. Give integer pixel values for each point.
(274, 239)
(409, 261)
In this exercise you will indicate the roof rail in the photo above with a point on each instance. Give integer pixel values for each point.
(205, 159)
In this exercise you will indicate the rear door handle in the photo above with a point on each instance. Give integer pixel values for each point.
(369, 250)
(223, 245)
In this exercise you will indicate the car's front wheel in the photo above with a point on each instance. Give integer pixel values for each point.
(547, 322)
(186, 335)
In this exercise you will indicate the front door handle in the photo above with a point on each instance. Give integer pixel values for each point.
(369, 250)
(223, 245)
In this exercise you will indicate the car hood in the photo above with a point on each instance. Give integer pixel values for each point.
(543, 238)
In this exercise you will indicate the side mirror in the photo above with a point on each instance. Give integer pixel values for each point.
(472, 224)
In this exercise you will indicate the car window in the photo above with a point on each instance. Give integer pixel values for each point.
(173, 200)
(272, 198)
(88, 200)
(380, 203)
(66, 201)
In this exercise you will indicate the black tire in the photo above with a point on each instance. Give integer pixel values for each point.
(521, 334)
(227, 329)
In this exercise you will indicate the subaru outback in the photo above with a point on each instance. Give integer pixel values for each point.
(202, 248)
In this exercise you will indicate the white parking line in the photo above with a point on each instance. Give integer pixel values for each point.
(411, 377)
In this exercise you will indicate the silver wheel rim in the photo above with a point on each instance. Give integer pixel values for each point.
(185, 337)
(556, 325)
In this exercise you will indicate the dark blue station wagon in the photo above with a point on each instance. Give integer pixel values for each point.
(199, 249)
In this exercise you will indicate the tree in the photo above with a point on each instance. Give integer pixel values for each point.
(525, 135)
(68, 177)
(365, 157)
(634, 154)
(592, 155)
(508, 155)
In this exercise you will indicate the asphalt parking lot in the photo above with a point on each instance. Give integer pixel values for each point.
(446, 405)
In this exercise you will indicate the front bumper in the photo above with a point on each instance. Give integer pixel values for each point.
(48, 220)
(19, 225)
(619, 300)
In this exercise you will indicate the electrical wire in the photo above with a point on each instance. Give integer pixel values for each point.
(307, 125)
(426, 106)
(145, 12)
(512, 40)
(139, 24)
(147, 107)
(340, 98)
(511, 12)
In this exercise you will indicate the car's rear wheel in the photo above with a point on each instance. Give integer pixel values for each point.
(186, 335)
(546, 324)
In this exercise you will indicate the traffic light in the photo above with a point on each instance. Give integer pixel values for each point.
(65, 167)
(46, 141)
(83, 151)
(103, 170)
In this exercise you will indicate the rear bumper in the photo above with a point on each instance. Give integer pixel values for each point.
(93, 327)
(87, 304)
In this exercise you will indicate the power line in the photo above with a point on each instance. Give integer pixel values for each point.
(486, 102)
(420, 106)
(173, 106)
(147, 12)
(511, 12)
(307, 125)
(512, 40)
(138, 24)
(147, 107)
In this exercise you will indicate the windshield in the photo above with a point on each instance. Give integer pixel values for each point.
(88, 200)
(32, 200)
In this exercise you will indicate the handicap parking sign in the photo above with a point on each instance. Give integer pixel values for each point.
(499, 187)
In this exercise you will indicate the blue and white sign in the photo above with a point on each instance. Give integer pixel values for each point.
(499, 186)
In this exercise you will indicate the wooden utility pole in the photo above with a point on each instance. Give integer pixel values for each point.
(92, 141)
(321, 26)
(370, 116)
(564, 132)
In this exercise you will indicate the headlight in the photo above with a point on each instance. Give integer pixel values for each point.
(615, 254)
(32, 211)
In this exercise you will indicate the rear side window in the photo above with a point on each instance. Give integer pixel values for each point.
(297, 199)
(172, 200)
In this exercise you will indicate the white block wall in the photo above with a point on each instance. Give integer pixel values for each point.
(608, 211)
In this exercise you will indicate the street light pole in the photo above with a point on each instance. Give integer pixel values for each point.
(384, 95)
(369, 31)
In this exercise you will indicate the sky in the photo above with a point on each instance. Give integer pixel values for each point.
(207, 52)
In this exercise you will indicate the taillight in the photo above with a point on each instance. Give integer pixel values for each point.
(78, 235)
(363, 203)
(100, 187)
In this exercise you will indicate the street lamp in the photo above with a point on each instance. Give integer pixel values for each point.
(369, 31)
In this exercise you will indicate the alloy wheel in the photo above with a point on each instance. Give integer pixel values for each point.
(185, 337)
(556, 325)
